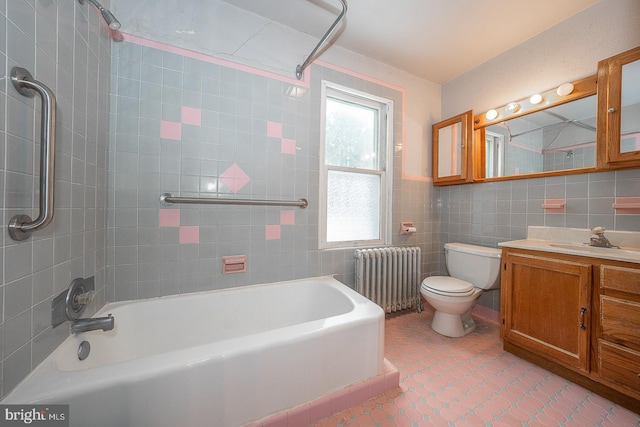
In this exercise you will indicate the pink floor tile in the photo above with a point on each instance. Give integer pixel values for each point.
(471, 381)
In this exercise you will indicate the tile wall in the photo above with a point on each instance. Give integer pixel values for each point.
(66, 47)
(489, 213)
(193, 125)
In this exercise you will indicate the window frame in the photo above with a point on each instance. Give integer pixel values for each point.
(385, 167)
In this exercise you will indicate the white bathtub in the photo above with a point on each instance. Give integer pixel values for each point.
(219, 358)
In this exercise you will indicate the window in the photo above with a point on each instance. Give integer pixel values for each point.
(494, 151)
(355, 168)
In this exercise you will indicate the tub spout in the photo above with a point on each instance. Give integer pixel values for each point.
(93, 323)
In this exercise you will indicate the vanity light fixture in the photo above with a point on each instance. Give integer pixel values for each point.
(536, 99)
(513, 107)
(491, 115)
(565, 89)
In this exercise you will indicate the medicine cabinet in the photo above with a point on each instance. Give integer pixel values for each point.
(619, 110)
(452, 143)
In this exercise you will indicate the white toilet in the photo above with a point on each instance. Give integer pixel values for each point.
(472, 269)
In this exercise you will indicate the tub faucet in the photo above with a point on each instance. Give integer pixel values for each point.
(598, 239)
(92, 323)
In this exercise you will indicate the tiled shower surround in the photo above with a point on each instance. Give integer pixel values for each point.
(65, 46)
(189, 125)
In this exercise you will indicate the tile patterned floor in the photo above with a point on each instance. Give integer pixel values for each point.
(472, 382)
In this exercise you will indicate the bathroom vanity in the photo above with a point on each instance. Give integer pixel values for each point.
(574, 309)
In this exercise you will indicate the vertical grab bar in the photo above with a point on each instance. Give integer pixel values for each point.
(21, 226)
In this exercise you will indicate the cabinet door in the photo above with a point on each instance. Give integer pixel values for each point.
(619, 110)
(547, 307)
(452, 140)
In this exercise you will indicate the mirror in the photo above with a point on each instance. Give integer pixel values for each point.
(546, 133)
(630, 112)
(451, 141)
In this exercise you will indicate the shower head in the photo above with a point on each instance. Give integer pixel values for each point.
(108, 17)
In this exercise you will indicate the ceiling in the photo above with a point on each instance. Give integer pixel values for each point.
(434, 39)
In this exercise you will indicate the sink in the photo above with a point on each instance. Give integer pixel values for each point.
(584, 247)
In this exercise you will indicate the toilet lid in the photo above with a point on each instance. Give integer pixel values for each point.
(445, 285)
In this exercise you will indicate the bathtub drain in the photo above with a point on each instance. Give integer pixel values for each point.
(83, 350)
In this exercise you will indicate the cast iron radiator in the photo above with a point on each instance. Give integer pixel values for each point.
(390, 277)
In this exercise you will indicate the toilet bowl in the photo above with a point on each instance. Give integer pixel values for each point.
(473, 269)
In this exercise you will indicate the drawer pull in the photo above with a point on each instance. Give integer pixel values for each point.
(583, 310)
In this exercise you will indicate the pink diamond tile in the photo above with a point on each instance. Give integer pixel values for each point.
(272, 232)
(274, 129)
(288, 146)
(170, 130)
(169, 217)
(189, 234)
(287, 217)
(191, 116)
(234, 178)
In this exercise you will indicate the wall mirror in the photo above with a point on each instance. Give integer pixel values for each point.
(549, 133)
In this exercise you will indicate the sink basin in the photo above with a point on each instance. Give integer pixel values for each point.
(584, 247)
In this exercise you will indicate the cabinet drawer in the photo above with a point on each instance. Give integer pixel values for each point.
(620, 365)
(620, 320)
(620, 278)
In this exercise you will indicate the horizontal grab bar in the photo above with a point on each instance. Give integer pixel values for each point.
(167, 199)
(21, 226)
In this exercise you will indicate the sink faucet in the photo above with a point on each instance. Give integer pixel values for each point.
(93, 323)
(598, 239)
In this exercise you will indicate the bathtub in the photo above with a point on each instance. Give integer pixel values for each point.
(218, 358)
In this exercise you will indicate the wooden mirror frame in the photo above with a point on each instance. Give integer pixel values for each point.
(581, 89)
(466, 156)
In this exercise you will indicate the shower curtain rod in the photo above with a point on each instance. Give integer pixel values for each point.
(311, 57)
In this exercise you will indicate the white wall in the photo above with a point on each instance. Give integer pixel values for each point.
(569, 51)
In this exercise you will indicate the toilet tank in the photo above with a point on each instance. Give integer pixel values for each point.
(478, 265)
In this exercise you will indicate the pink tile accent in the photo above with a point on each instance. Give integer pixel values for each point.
(169, 217)
(272, 232)
(359, 393)
(170, 130)
(554, 205)
(288, 146)
(278, 420)
(191, 116)
(340, 400)
(274, 129)
(287, 217)
(234, 178)
(300, 416)
(627, 205)
(189, 234)
(320, 408)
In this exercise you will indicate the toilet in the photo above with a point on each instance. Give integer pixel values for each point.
(473, 269)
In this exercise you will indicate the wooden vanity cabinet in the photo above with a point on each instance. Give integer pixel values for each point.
(578, 317)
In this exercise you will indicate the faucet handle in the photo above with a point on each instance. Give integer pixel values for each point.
(85, 298)
(598, 230)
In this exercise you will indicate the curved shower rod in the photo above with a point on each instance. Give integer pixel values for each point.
(311, 57)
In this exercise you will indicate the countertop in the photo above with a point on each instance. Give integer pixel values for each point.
(571, 241)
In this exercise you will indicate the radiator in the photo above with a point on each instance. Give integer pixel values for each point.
(390, 277)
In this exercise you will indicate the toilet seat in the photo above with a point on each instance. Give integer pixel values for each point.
(447, 286)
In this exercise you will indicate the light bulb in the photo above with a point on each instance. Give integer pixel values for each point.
(491, 115)
(536, 99)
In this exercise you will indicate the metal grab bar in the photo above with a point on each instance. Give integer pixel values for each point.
(311, 57)
(167, 199)
(21, 226)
